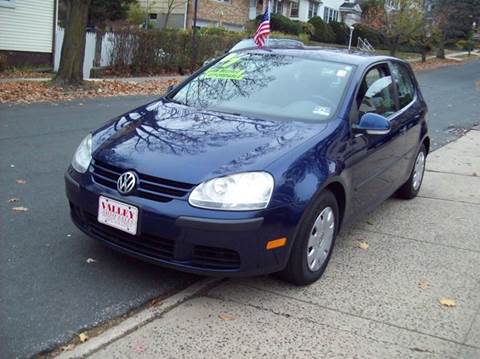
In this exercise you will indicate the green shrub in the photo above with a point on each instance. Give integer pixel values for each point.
(284, 24)
(365, 32)
(307, 28)
(322, 31)
(341, 31)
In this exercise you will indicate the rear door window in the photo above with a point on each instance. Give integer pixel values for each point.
(404, 83)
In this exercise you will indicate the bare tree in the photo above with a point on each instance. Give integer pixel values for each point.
(70, 71)
(172, 5)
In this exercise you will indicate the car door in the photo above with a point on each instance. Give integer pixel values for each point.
(374, 159)
(410, 115)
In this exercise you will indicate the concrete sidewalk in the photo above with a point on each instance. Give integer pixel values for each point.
(382, 302)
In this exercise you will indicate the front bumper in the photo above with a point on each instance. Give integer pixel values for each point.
(179, 236)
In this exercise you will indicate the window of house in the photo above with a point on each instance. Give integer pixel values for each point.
(405, 86)
(376, 92)
(152, 16)
(312, 9)
(277, 7)
(293, 9)
(7, 3)
(330, 14)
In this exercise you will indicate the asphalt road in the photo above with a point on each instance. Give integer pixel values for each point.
(48, 291)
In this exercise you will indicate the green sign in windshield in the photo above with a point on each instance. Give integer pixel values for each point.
(225, 69)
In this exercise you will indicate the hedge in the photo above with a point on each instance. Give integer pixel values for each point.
(156, 51)
(322, 31)
(283, 24)
(341, 31)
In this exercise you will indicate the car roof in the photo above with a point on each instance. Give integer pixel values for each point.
(350, 57)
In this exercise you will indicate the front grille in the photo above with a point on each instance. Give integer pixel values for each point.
(157, 247)
(154, 188)
(151, 246)
(215, 258)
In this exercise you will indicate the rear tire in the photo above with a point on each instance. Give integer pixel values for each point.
(411, 188)
(314, 242)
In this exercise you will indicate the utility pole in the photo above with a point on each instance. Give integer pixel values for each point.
(194, 33)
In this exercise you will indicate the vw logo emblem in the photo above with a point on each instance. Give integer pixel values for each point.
(126, 182)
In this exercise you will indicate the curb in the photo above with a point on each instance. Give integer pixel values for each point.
(134, 322)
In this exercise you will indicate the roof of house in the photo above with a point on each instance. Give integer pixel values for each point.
(351, 7)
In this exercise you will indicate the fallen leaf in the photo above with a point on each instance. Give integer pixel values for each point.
(370, 223)
(447, 302)
(362, 245)
(20, 209)
(67, 348)
(13, 200)
(90, 260)
(83, 337)
(21, 181)
(155, 302)
(138, 348)
(423, 284)
(226, 317)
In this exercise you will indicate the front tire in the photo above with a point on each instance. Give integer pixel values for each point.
(314, 241)
(411, 188)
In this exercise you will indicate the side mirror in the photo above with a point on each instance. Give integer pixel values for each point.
(372, 124)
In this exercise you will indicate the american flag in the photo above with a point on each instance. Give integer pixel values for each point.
(263, 31)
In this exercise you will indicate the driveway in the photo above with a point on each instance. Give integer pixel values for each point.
(49, 286)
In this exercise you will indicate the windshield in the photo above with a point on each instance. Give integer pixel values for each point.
(272, 85)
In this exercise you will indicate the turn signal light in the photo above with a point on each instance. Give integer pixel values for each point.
(276, 243)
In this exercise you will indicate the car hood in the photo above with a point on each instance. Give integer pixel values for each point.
(177, 142)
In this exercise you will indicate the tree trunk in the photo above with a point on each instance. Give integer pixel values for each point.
(70, 71)
(394, 46)
(441, 47)
(167, 16)
(424, 56)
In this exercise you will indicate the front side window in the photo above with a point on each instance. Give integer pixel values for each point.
(376, 92)
(405, 86)
(269, 85)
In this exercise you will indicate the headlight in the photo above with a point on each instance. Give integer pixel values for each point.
(238, 192)
(83, 155)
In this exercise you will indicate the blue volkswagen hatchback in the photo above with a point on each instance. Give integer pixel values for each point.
(254, 163)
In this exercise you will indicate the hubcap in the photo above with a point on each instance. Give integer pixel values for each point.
(418, 171)
(320, 240)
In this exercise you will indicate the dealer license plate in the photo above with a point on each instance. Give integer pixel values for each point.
(118, 215)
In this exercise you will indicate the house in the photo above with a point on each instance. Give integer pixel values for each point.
(230, 14)
(233, 14)
(329, 10)
(27, 31)
(157, 11)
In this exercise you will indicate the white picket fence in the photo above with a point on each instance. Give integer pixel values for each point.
(90, 43)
